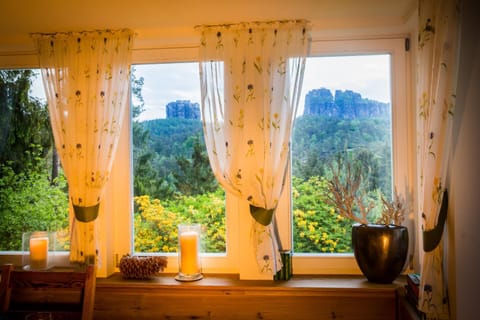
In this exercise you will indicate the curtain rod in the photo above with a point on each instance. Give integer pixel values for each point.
(252, 22)
(33, 34)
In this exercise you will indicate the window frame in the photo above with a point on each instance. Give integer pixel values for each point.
(402, 142)
(211, 262)
(116, 210)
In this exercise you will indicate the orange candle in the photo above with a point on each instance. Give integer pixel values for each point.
(38, 252)
(189, 261)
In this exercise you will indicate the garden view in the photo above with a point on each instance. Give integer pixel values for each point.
(173, 182)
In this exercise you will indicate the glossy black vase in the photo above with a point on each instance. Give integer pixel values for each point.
(380, 250)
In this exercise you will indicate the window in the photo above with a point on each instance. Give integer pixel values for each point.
(117, 210)
(173, 181)
(346, 115)
(33, 190)
(396, 162)
(391, 160)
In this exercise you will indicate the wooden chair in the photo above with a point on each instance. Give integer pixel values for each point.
(60, 293)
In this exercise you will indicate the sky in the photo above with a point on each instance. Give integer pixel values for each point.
(164, 83)
(368, 75)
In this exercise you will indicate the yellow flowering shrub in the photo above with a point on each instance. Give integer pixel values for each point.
(317, 228)
(156, 221)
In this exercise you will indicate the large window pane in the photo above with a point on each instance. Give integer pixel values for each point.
(33, 189)
(173, 181)
(345, 114)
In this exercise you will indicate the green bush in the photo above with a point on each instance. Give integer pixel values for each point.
(29, 202)
(156, 222)
(317, 228)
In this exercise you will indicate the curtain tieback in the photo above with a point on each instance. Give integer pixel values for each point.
(262, 215)
(86, 214)
(431, 238)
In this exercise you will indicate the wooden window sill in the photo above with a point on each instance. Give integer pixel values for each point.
(338, 283)
(227, 297)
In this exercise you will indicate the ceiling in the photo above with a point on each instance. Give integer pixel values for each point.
(175, 19)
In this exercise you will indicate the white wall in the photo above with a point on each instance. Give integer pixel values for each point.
(464, 211)
(166, 24)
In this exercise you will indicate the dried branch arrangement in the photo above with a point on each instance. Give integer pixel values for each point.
(393, 212)
(345, 195)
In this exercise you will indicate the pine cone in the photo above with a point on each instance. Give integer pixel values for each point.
(136, 267)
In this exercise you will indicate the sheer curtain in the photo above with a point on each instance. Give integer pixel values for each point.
(86, 76)
(436, 80)
(251, 75)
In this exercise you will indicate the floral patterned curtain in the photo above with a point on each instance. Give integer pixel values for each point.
(251, 75)
(86, 76)
(436, 81)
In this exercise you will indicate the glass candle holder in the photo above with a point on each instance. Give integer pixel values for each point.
(37, 247)
(189, 264)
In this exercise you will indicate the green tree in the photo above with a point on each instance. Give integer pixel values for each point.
(317, 140)
(30, 199)
(147, 179)
(195, 175)
(24, 123)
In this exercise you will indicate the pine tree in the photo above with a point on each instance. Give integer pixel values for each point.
(195, 175)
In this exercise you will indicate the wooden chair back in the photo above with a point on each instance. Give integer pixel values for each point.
(60, 293)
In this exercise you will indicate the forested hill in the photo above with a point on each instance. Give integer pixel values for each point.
(345, 105)
(325, 115)
(329, 126)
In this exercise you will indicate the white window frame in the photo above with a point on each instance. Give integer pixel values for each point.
(116, 215)
(211, 262)
(402, 144)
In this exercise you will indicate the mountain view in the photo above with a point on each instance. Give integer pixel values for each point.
(173, 181)
(344, 104)
(330, 125)
(171, 164)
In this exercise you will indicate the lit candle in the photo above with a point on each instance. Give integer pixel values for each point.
(38, 252)
(189, 261)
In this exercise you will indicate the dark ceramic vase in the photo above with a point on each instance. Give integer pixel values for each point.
(380, 250)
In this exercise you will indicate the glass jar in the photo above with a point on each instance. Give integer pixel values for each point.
(189, 264)
(36, 248)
